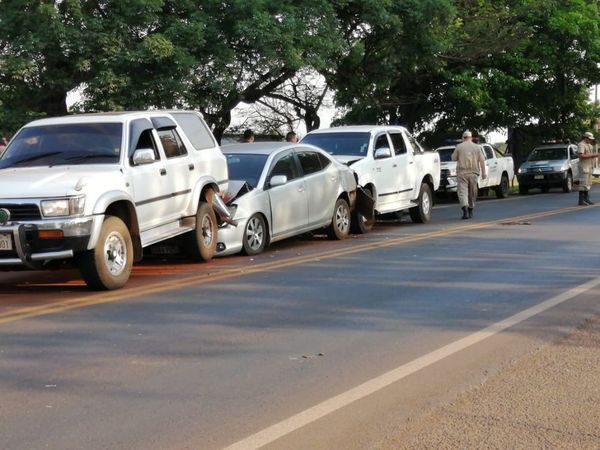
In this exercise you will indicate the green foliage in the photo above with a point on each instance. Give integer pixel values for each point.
(480, 64)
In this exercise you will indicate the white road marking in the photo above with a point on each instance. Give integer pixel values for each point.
(363, 390)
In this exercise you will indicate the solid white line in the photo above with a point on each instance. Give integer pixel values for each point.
(363, 390)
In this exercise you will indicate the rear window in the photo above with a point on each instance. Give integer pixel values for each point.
(195, 129)
(342, 143)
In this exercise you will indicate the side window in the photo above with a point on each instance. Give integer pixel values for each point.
(489, 152)
(309, 161)
(171, 143)
(285, 166)
(195, 129)
(574, 154)
(399, 144)
(325, 161)
(145, 140)
(415, 145)
(382, 142)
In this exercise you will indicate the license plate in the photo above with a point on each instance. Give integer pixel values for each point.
(5, 241)
(538, 177)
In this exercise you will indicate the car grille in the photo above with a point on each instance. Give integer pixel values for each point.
(23, 211)
(540, 169)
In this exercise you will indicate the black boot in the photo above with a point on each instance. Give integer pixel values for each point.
(465, 214)
(582, 199)
(470, 213)
(586, 198)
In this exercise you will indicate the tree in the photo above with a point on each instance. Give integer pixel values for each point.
(297, 101)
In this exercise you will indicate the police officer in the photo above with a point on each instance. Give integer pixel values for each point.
(469, 165)
(586, 152)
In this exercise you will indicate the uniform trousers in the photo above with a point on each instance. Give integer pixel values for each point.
(466, 188)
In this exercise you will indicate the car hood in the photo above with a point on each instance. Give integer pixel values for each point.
(57, 181)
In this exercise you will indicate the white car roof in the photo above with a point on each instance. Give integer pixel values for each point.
(264, 148)
(103, 117)
(359, 128)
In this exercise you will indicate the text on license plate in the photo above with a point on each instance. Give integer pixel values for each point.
(539, 177)
(5, 241)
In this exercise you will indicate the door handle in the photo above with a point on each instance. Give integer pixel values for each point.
(300, 189)
(332, 179)
(163, 172)
(412, 162)
(191, 166)
(394, 165)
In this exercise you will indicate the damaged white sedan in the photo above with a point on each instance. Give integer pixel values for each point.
(281, 189)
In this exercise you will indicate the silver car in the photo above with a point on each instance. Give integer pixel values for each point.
(278, 190)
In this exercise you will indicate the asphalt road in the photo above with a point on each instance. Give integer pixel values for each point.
(313, 344)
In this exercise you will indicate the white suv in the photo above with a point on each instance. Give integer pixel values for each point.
(100, 187)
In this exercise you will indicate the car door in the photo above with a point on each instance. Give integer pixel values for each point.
(384, 171)
(321, 179)
(289, 204)
(179, 168)
(492, 167)
(151, 188)
(574, 161)
(405, 149)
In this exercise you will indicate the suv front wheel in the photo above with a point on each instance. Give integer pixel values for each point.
(109, 265)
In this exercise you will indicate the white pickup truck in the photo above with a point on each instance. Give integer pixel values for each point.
(391, 167)
(96, 189)
(500, 170)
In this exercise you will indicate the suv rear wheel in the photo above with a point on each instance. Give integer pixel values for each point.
(203, 240)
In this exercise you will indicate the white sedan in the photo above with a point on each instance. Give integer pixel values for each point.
(278, 190)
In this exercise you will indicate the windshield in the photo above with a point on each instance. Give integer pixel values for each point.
(542, 154)
(349, 143)
(51, 145)
(245, 167)
(445, 154)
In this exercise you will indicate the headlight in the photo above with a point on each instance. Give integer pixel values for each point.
(72, 206)
(522, 170)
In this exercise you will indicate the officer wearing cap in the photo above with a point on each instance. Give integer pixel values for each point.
(469, 165)
(586, 152)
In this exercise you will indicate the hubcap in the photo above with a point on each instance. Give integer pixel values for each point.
(342, 219)
(207, 232)
(426, 202)
(254, 233)
(115, 253)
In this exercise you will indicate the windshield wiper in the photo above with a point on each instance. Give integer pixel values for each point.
(33, 158)
(94, 155)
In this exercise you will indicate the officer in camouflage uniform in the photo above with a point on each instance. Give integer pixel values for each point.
(587, 154)
(469, 165)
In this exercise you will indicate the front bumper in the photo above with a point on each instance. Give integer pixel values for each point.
(542, 179)
(448, 184)
(30, 250)
(229, 238)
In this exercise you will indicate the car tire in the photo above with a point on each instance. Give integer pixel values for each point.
(523, 190)
(568, 183)
(359, 223)
(254, 239)
(340, 222)
(503, 188)
(422, 212)
(202, 242)
(109, 265)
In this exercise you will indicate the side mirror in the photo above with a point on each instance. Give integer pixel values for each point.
(143, 156)
(383, 152)
(278, 180)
